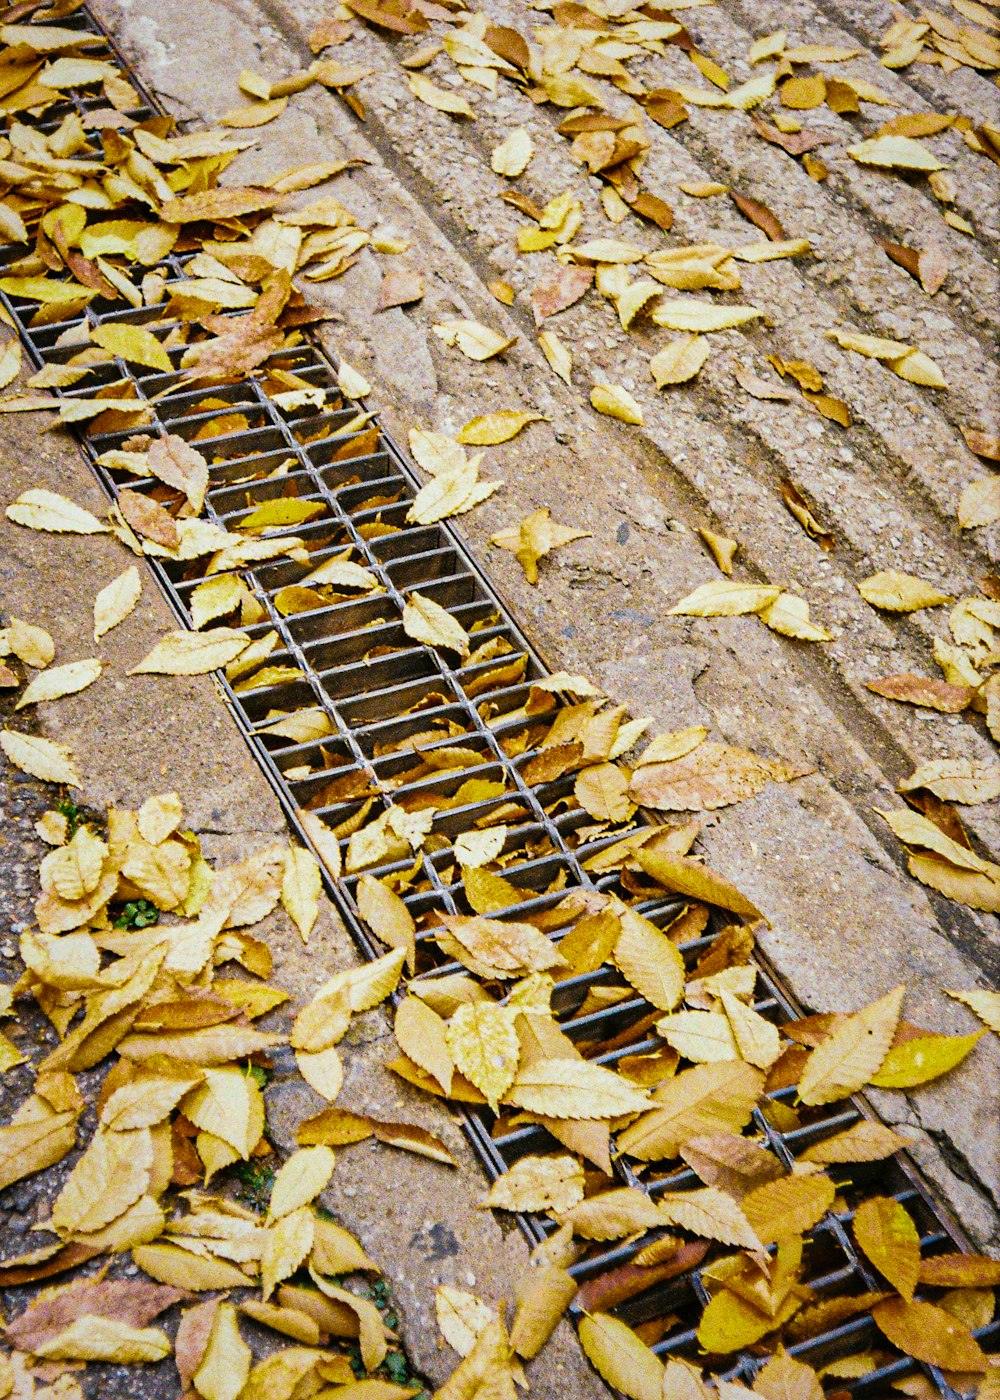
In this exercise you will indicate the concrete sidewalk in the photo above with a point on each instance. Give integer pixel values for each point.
(848, 920)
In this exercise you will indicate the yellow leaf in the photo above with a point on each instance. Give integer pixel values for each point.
(192, 653)
(287, 1245)
(649, 961)
(543, 1296)
(789, 1206)
(387, 917)
(689, 314)
(702, 1036)
(865, 1142)
(621, 1358)
(300, 889)
(710, 1213)
(575, 1089)
(485, 1048)
(979, 503)
(116, 600)
(300, 1180)
(894, 153)
(159, 816)
(918, 368)
(710, 776)
(602, 792)
(47, 510)
(351, 383)
(557, 355)
(679, 361)
(422, 1035)
(537, 535)
(690, 877)
(285, 510)
(438, 98)
(611, 1215)
(322, 1070)
(75, 869)
(179, 1268)
(10, 363)
(538, 1183)
(757, 1038)
(34, 1144)
(229, 1105)
(133, 343)
(511, 157)
(986, 1005)
(896, 592)
(225, 1362)
(923, 1058)
(722, 598)
(428, 622)
(615, 402)
(885, 1231)
(110, 1176)
(847, 1059)
(929, 1334)
(58, 681)
(476, 341)
(786, 1378)
(789, 615)
(320, 834)
(93, 1338)
(461, 1317)
(489, 429)
(372, 1339)
(30, 644)
(698, 1102)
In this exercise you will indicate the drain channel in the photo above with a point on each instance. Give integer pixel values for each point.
(349, 718)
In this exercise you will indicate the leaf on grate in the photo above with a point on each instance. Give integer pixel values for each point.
(885, 1231)
(929, 1334)
(428, 622)
(621, 1358)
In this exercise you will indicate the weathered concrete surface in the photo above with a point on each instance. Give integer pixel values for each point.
(138, 735)
(848, 920)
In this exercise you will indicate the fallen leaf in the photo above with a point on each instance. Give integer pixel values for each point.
(300, 1180)
(30, 644)
(927, 691)
(301, 884)
(720, 598)
(535, 537)
(689, 314)
(712, 775)
(116, 600)
(560, 358)
(615, 402)
(979, 503)
(47, 510)
(512, 155)
(894, 153)
(484, 1046)
(885, 1231)
(929, 1334)
(439, 98)
(192, 653)
(789, 1206)
(897, 592)
(986, 1005)
(562, 287)
(427, 622)
(621, 1358)
(679, 361)
(848, 1058)
(58, 681)
(537, 1184)
(489, 429)
(574, 1089)
(133, 343)
(42, 758)
(923, 1058)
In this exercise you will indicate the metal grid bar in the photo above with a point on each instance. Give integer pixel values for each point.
(369, 703)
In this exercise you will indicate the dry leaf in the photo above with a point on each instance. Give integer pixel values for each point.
(192, 653)
(712, 775)
(929, 1334)
(896, 592)
(428, 622)
(512, 155)
(476, 341)
(484, 1047)
(489, 429)
(721, 598)
(679, 361)
(439, 98)
(538, 1183)
(42, 758)
(535, 537)
(574, 1089)
(621, 1358)
(847, 1058)
(615, 402)
(116, 600)
(300, 1180)
(47, 510)
(301, 884)
(884, 1230)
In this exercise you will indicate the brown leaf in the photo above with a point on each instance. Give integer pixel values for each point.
(133, 1302)
(231, 202)
(929, 1334)
(147, 517)
(400, 288)
(904, 257)
(651, 207)
(960, 1271)
(926, 691)
(178, 464)
(796, 143)
(799, 507)
(712, 775)
(983, 444)
(566, 284)
(760, 215)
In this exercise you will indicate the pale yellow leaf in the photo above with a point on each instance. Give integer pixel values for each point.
(47, 510)
(722, 598)
(625, 1362)
(512, 155)
(679, 361)
(615, 402)
(300, 1180)
(846, 1060)
(58, 681)
(285, 1249)
(428, 622)
(476, 341)
(192, 653)
(42, 758)
(116, 600)
(301, 883)
(484, 1047)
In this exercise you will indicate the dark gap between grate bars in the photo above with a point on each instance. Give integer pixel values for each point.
(369, 703)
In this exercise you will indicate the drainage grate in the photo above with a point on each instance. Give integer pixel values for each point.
(383, 706)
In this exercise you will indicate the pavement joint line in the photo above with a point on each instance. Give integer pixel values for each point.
(908, 1185)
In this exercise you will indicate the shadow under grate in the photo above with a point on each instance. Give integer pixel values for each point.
(384, 705)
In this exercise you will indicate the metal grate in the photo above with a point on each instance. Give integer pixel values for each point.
(351, 661)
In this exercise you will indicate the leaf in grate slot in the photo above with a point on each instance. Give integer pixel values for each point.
(612, 1215)
(847, 1059)
(387, 917)
(885, 1231)
(428, 622)
(733, 1163)
(705, 1099)
(496, 948)
(929, 1334)
(148, 518)
(542, 1299)
(649, 961)
(484, 1046)
(621, 1358)
(575, 1089)
(286, 510)
(865, 1142)
(789, 1206)
(422, 1035)
(538, 1183)
(786, 1378)
(133, 343)
(192, 653)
